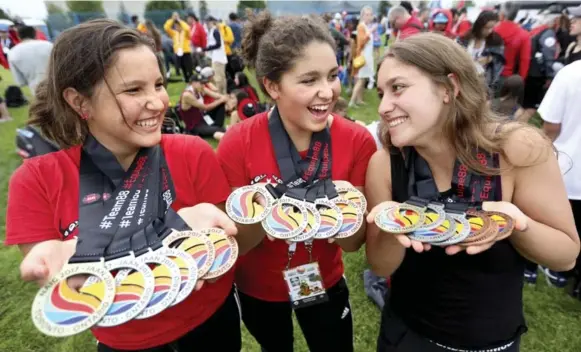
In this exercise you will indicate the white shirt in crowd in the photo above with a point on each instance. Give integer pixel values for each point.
(217, 55)
(562, 105)
(28, 62)
(373, 128)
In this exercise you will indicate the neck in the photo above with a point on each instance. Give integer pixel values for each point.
(439, 154)
(124, 153)
(300, 137)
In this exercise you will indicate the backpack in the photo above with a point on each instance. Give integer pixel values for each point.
(30, 143)
(14, 97)
(537, 67)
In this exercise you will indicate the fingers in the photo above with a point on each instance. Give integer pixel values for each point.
(224, 222)
(453, 249)
(272, 239)
(377, 209)
(478, 249)
(199, 285)
(417, 246)
(34, 268)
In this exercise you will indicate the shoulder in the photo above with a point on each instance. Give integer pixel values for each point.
(525, 145)
(242, 133)
(379, 167)
(183, 144)
(40, 170)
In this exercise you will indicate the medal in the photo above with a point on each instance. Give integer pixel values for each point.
(60, 311)
(226, 252)
(480, 226)
(167, 280)
(287, 219)
(401, 218)
(462, 230)
(133, 290)
(353, 194)
(242, 207)
(435, 216)
(352, 217)
(188, 270)
(313, 224)
(441, 233)
(199, 246)
(504, 223)
(331, 218)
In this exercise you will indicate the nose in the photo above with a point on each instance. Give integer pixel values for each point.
(386, 106)
(154, 103)
(326, 90)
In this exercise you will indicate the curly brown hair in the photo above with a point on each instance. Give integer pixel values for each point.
(471, 125)
(271, 45)
(80, 59)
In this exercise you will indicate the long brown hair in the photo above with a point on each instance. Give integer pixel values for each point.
(471, 125)
(154, 33)
(80, 58)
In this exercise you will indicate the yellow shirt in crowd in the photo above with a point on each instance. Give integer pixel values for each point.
(181, 39)
(227, 37)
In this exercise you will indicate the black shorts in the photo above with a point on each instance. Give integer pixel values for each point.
(327, 326)
(221, 332)
(534, 92)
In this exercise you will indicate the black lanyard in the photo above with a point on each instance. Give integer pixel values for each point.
(298, 174)
(122, 211)
(467, 186)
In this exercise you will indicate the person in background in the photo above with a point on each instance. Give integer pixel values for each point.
(486, 49)
(241, 82)
(134, 21)
(461, 24)
(340, 41)
(510, 98)
(198, 39)
(228, 38)
(155, 35)
(340, 109)
(408, 7)
(405, 24)
(573, 51)
(29, 59)
(195, 112)
(217, 52)
(560, 111)
(4, 113)
(517, 43)
(5, 42)
(442, 23)
(236, 31)
(179, 31)
(424, 17)
(364, 48)
(564, 38)
(168, 55)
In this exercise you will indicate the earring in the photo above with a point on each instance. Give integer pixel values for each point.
(84, 115)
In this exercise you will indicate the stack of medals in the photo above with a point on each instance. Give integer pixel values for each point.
(463, 224)
(134, 263)
(300, 215)
(143, 286)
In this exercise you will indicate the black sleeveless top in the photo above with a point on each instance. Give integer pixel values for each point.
(573, 57)
(461, 301)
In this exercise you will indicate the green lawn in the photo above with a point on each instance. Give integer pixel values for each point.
(554, 318)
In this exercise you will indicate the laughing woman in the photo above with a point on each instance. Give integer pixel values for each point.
(459, 298)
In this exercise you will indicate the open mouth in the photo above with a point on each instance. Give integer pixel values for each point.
(319, 111)
(394, 122)
(148, 123)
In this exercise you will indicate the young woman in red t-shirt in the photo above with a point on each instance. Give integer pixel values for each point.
(301, 78)
(104, 88)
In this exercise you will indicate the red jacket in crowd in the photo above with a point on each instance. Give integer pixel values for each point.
(517, 48)
(199, 38)
(411, 27)
(448, 32)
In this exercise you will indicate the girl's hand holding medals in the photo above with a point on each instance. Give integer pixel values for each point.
(474, 227)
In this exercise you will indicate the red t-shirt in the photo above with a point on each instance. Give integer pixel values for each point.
(247, 156)
(46, 189)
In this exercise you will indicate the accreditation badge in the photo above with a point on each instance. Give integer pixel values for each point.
(305, 285)
(59, 311)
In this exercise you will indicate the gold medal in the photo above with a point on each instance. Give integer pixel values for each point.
(226, 252)
(331, 218)
(60, 311)
(197, 245)
(401, 218)
(353, 194)
(313, 224)
(242, 207)
(352, 217)
(287, 219)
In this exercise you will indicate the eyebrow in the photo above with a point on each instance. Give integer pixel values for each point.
(393, 79)
(316, 73)
(138, 82)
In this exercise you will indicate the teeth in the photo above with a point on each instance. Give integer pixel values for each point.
(397, 121)
(147, 123)
(320, 107)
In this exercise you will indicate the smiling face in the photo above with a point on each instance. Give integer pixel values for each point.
(306, 94)
(412, 105)
(130, 114)
(575, 29)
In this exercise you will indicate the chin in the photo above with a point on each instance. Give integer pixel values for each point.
(149, 140)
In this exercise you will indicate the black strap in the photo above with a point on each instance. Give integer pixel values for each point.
(122, 211)
(296, 172)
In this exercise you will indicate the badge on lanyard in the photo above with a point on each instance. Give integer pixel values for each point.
(134, 285)
(60, 311)
(199, 246)
(304, 282)
(226, 249)
(167, 278)
(401, 218)
(242, 207)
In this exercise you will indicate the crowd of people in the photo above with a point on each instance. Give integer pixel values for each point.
(455, 99)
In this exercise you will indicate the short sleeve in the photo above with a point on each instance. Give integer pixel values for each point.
(553, 104)
(209, 181)
(231, 155)
(366, 148)
(29, 213)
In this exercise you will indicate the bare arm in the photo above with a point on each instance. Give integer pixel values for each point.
(552, 130)
(384, 252)
(211, 92)
(551, 238)
(190, 100)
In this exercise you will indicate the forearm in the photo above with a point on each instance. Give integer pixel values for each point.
(353, 243)
(546, 246)
(384, 252)
(249, 236)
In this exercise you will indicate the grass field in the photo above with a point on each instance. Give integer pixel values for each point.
(554, 319)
